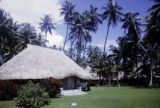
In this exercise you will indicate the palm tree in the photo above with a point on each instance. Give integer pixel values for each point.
(93, 19)
(151, 38)
(47, 25)
(68, 10)
(112, 14)
(131, 24)
(153, 24)
(116, 56)
(155, 9)
(79, 33)
(11, 41)
(95, 56)
(107, 69)
(133, 46)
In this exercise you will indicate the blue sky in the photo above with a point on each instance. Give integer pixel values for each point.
(140, 6)
(32, 10)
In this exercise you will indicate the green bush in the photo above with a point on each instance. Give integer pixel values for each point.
(32, 96)
(52, 86)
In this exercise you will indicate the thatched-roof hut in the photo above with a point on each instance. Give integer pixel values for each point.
(36, 62)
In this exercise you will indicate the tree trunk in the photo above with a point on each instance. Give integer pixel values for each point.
(84, 51)
(104, 49)
(88, 58)
(109, 80)
(117, 80)
(99, 80)
(65, 38)
(71, 49)
(79, 50)
(151, 77)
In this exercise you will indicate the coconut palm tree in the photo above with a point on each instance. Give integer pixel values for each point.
(131, 25)
(47, 25)
(80, 33)
(155, 9)
(152, 39)
(93, 21)
(93, 17)
(153, 24)
(112, 15)
(95, 56)
(11, 41)
(68, 10)
(116, 57)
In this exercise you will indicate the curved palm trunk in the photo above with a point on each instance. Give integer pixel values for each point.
(104, 49)
(65, 38)
(79, 50)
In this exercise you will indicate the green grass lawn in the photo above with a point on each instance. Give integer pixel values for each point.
(106, 97)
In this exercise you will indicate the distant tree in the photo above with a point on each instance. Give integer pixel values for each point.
(95, 62)
(95, 57)
(47, 25)
(116, 57)
(11, 42)
(28, 31)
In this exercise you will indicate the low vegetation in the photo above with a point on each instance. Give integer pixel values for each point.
(32, 96)
(52, 86)
(106, 97)
(111, 97)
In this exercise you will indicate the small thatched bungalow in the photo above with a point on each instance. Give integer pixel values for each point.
(36, 62)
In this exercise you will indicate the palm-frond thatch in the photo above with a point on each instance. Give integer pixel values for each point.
(36, 62)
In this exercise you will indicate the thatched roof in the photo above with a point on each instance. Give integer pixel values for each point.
(36, 62)
(94, 75)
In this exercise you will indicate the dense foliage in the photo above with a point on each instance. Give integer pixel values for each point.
(52, 86)
(32, 96)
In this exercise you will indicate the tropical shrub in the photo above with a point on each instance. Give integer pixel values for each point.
(32, 96)
(52, 86)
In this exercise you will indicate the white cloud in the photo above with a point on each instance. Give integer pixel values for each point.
(55, 39)
(31, 11)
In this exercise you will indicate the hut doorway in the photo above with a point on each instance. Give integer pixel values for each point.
(71, 83)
